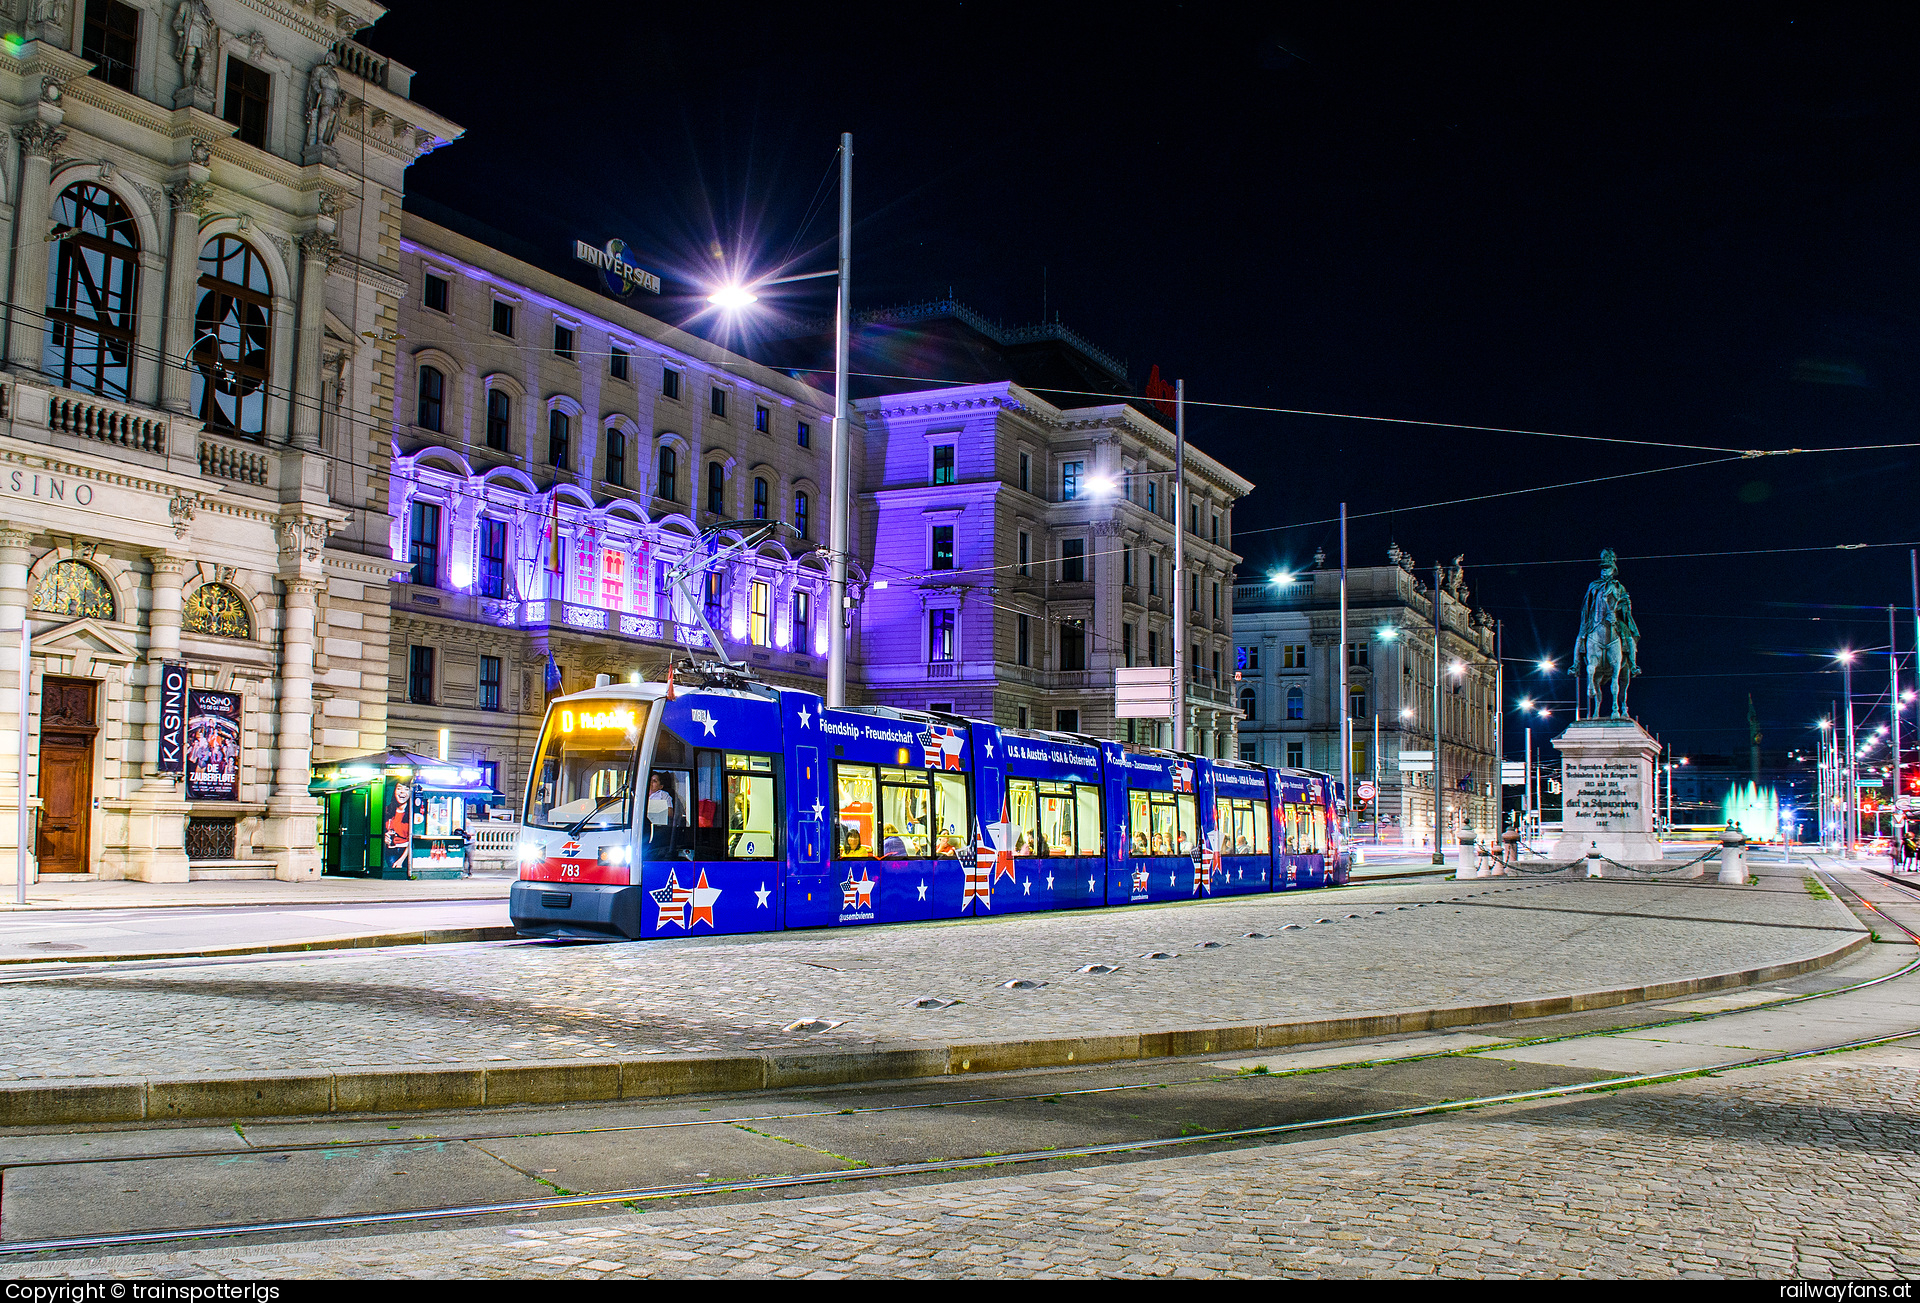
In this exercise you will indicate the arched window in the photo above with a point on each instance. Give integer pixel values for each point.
(74, 588)
(217, 610)
(1296, 703)
(433, 390)
(92, 291)
(668, 464)
(232, 338)
(1246, 703)
(759, 499)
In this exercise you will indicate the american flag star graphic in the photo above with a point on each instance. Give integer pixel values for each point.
(672, 901)
(940, 746)
(857, 894)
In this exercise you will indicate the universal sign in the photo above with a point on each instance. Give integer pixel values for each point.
(622, 277)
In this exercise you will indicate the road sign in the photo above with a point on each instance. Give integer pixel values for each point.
(1143, 692)
(1416, 762)
(1365, 791)
(1513, 773)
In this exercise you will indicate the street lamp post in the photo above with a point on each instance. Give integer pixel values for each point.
(1346, 711)
(1851, 828)
(839, 515)
(1439, 803)
(839, 531)
(1179, 594)
(1893, 707)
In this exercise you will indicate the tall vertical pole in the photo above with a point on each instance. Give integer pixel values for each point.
(1179, 602)
(1893, 708)
(1849, 781)
(1346, 712)
(26, 708)
(1499, 727)
(839, 537)
(1373, 758)
(1439, 784)
(1526, 787)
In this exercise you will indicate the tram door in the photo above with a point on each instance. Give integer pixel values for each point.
(813, 897)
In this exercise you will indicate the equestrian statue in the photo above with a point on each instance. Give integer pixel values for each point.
(1609, 639)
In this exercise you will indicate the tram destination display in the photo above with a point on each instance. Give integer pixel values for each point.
(213, 746)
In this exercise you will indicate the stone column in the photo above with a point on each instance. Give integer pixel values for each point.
(289, 833)
(318, 251)
(39, 142)
(14, 557)
(155, 845)
(163, 645)
(189, 198)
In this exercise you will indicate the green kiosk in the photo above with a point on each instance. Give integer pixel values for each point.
(396, 815)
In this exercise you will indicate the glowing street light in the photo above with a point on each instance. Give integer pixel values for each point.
(733, 297)
(1280, 577)
(1546, 665)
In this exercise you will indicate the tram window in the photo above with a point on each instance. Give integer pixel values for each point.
(669, 825)
(752, 807)
(1092, 828)
(1262, 823)
(906, 814)
(952, 817)
(585, 760)
(855, 792)
(1056, 819)
(1189, 826)
(1165, 834)
(1023, 814)
(1316, 830)
(1139, 833)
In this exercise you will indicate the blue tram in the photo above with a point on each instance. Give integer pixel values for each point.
(742, 807)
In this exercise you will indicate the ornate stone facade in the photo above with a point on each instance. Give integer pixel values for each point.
(165, 500)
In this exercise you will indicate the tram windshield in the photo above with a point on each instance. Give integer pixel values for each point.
(584, 767)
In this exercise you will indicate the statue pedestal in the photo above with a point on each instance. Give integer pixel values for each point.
(1607, 771)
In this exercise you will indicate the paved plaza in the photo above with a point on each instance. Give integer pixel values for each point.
(1369, 949)
(1799, 1170)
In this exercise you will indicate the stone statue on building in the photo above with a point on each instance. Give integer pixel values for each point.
(1457, 579)
(196, 43)
(1609, 640)
(323, 102)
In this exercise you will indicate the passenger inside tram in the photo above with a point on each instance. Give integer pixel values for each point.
(850, 847)
(894, 847)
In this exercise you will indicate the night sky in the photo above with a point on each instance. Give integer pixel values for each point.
(1686, 229)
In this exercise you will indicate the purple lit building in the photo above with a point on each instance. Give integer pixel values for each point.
(1022, 551)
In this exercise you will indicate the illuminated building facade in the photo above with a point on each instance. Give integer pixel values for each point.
(1022, 551)
(201, 211)
(1288, 643)
(527, 398)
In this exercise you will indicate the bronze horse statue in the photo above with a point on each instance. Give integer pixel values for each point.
(1609, 639)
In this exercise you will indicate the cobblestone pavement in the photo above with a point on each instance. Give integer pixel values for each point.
(1798, 1170)
(1365, 949)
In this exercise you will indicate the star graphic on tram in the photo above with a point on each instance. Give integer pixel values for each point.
(1089, 882)
(806, 718)
(857, 895)
(702, 898)
(1049, 882)
(760, 897)
(923, 888)
(1026, 887)
(987, 747)
(819, 810)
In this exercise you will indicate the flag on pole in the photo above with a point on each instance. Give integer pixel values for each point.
(553, 675)
(554, 565)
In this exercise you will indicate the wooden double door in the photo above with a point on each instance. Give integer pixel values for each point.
(68, 727)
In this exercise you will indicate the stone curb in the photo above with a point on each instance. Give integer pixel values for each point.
(428, 937)
(456, 1086)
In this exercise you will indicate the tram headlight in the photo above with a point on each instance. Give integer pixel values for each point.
(616, 856)
(532, 852)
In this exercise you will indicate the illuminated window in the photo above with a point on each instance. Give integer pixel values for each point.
(800, 515)
(218, 610)
(1071, 474)
(426, 544)
(802, 604)
(74, 588)
(759, 613)
(762, 420)
(940, 641)
(1296, 703)
(1293, 656)
(493, 558)
(759, 499)
(943, 463)
(942, 548)
(613, 578)
(806, 435)
(489, 683)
